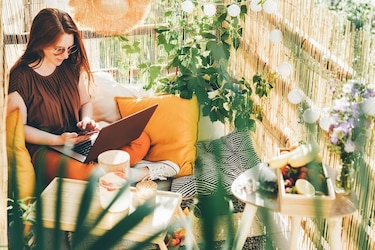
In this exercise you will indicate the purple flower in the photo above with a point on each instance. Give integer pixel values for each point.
(341, 105)
(337, 134)
(351, 100)
(369, 93)
(344, 127)
(334, 139)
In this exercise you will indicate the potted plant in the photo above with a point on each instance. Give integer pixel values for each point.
(196, 49)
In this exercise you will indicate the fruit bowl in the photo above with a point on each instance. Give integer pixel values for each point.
(306, 190)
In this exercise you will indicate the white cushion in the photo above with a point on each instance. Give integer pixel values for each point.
(103, 93)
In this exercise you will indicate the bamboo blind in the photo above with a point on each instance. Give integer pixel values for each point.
(317, 45)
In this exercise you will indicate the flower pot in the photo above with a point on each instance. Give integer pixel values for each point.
(208, 130)
(345, 179)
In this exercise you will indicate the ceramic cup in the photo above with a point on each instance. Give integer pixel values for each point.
(115, 161)
(109, 185)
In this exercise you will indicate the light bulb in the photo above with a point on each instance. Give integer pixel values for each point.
(209, 9)
(276, 36)
(285, 69)
(270, 6)
(187, 6)
(254, 6)
(325, 122)
(368, 106)
(51, 3)
(296, 96)
(234, 10)
(310, 115)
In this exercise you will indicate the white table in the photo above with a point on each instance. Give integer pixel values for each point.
(342, 206)
(167, 205)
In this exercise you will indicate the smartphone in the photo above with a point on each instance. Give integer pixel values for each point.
(87, 132)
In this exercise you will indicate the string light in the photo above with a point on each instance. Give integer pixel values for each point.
(255, 6)
(276, 36)
(209, 9)
(234, 10)
(296, 96)
(311, 115)
(187, 6)
(368, 106)
(285, 69)
(325, 122)
(270, 6)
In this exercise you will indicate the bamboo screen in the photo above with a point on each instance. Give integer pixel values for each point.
(319, 45)
(314, 43)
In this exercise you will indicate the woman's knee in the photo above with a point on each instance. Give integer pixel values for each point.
(138, 148)
(51, 164)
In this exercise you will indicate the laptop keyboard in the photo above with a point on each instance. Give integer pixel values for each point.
(83, 148)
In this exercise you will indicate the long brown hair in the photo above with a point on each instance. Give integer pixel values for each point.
(47, 27)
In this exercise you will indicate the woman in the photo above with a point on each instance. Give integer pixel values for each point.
(47, 84)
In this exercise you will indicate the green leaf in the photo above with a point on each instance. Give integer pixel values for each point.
(218, 51)
(113, 236)
(224, 36)
(143, 66)
(222, 18)
(236, 42)
(202, 97)
(257, 78)
(83, 229)
(162, 29)
(208, 35)
(243, 11)
(123, 38)
(154, 72)
(239, 31)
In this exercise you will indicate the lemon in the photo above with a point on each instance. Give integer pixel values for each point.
(304, 187)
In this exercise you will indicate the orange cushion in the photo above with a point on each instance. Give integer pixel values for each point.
(173, 128)
(18, 155)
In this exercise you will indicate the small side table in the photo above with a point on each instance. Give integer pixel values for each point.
(167, 204)
(342, 206)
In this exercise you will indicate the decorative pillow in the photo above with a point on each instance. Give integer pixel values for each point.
(103, 96)
(18, 155)
(226, 158)
(172, 128)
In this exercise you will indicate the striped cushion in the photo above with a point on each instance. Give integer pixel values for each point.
(227, 157)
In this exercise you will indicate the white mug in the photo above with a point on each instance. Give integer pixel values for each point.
(115, 161)
(109, 186)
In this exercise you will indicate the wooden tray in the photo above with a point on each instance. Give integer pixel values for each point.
(297, 204)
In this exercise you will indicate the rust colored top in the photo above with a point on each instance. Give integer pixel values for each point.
(52, 101)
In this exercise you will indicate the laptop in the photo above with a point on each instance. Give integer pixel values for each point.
(112, 136)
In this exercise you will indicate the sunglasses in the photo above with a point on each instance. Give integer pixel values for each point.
(60, 50)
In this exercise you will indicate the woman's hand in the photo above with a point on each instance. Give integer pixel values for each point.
(87, 124)
(71, 138)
